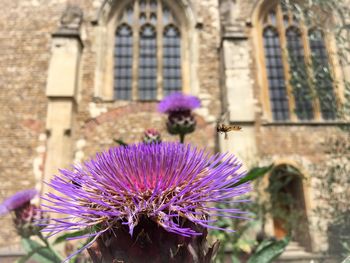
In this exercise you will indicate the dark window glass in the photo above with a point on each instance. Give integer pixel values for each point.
(151, 70)
(171, 60)
(299, 77)
(147, 64)
(123, 63)
(322, 75)
(275, 74)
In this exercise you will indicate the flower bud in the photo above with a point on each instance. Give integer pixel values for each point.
(151, 136)
(181, 122)
(26, 220)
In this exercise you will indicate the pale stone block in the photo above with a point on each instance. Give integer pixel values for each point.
(204, 112)
(79, 155)
(81, 144)
(240, 100)
(41, 149)
(59, 150)
(241, 143)
(236, 54)
(59, 115)
(63, 69)
(96, 110)
(42, 137)
(37, 162)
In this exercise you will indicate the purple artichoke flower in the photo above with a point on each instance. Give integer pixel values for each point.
(17, 200)
(145, 192)
(178, 102)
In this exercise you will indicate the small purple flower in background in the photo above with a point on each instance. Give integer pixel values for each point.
(26, 215)
(146, 200)
(179, 108)
(151, 136)
(18, 200)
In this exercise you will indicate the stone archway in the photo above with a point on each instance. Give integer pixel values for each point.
(288, 205)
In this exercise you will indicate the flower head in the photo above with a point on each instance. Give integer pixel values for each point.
(178, 102)
(167, 184)
(151, 136)
(17, 200)
(26, 220)
(26, 215)
(178, 106)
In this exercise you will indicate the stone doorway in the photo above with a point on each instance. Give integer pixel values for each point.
(288, 205)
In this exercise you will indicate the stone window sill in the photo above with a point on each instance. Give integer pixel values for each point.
(306, 123)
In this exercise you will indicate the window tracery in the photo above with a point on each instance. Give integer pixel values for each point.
(296, 61)
(147, 53)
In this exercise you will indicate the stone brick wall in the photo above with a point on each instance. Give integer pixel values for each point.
(25, 42)
(25, 28)
(305, 140)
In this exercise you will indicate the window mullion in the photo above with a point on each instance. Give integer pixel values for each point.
(159, 30)
(136, 43)
(310, 73)
(286, 68)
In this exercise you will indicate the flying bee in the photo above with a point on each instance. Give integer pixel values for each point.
(222, 128)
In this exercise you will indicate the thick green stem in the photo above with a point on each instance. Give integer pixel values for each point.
(47, 244)
(182, 137)
(42, 238)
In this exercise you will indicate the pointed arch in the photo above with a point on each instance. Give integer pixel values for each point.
(301, 90)
(321, 66)
(123, 54)
(182, 48)
(275, 74)
(147, 65)
(288, 191)
(171, 59)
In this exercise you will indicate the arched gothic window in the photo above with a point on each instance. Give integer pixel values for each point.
(296, 91)
(147, 52)
(321, 67)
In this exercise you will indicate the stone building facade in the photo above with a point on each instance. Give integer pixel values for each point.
(58, 103)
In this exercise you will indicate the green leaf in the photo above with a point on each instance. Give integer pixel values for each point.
(29, 255)
(120, 142)
(269, 250)
(40, 253)
(254, 174)
(347, 260)
(64, 237)
(265, 243)
(235, 259)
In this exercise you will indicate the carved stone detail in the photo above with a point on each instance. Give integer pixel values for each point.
(71, 18)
